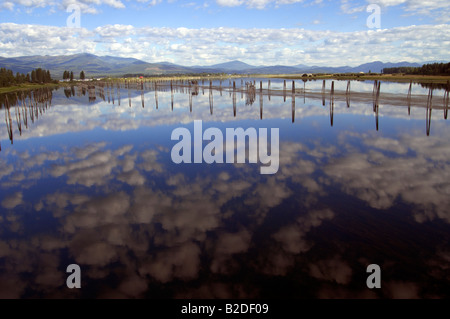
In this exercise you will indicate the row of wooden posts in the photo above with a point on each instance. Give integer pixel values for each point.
(32, 104)
(192, 88)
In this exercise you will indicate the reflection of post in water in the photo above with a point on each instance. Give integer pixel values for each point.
(30, 103)
(171, 95)
(190, 97)
(429, 108)
(304, 89)
(446, 98)
(108, 91)
(332, 103)
(293, 106)
(268, 88)
(376, 115)
(156, 95)
(376, 95)
(8, 119)
(250, 93)
(347, 94)
(376, 106)
(98, 90)
(118, 92)
(260, 105)
(24, 111)
(129, 93)
(234, 98)
(36, 106)
(18, 116)
(284, 90)
(374, 90)
(409, 98)
(211, 106)
(91, 93)
(112, 92)
(323, 93)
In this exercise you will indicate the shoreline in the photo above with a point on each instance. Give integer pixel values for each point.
(26, 87)
(428, 79)
(436, 79)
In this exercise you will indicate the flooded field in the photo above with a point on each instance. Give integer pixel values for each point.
(88, 177)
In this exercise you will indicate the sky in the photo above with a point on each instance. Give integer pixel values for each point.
(206, 32)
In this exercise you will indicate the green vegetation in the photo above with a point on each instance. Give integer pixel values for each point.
(426, 69)
(68, 75)
(26, 87)
(38, 76)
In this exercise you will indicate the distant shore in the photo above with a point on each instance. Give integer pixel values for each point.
(400, 78)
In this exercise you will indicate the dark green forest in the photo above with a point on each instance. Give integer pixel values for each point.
(426, 69)
(7, 77)
(68, 75)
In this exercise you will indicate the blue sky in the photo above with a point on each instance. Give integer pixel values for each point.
(259, 32)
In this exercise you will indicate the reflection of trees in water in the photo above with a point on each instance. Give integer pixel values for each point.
(251, 93)
(91, 90)
(436, 86)
(24, 104)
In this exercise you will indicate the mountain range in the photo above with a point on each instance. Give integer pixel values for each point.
(97, 66)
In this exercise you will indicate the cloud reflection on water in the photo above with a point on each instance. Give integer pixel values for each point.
(138, 226)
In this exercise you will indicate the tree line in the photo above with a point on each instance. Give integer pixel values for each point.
(68, 75)
(426, 69)
(7, 77)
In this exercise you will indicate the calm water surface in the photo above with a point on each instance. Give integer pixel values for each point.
(91, 182)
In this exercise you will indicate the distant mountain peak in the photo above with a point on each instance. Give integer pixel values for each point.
(94, 65)
(233, 65)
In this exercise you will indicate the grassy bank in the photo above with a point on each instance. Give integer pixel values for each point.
(29, 86)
